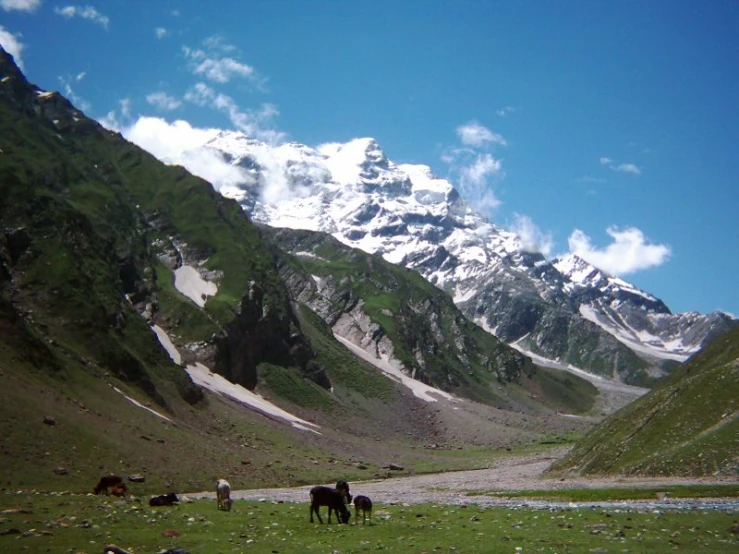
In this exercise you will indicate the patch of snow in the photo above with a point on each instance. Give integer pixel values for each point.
(202, 376)
(188, 281)
(420, 390)
(167, 343)
(640, 341)
(139, 404)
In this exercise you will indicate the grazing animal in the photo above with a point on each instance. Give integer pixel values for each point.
(223, 495)
(365, 504)
(120, 490)
(343, 488)
(333, 498)
(164, 500)
(106, 482)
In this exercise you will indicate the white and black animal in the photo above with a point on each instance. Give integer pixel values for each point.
(164, 500)
(223, 495)
(363, 503)
(334, 499)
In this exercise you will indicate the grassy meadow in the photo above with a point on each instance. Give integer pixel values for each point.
(69, 523)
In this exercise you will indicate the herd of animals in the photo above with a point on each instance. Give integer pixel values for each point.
(335, 499)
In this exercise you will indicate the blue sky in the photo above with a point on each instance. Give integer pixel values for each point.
(605, 128)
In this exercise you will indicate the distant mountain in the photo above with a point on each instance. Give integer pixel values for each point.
(687, 425)
(563, 309)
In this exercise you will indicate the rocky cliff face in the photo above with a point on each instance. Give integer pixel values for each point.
(397, 317)
(564, 310)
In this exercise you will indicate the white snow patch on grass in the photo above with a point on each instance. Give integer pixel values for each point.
(188, 281)
(139, 404)
(202, 376)
(420, 390)
(166, 342)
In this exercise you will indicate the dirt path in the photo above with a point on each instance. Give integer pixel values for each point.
(514, 473)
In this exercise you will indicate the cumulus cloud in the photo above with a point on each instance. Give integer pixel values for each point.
(180, 143)
(251, 122)
(20, 5)
(504, 111)
(629, 252)
(161, 32)
(533, 239)
(12, 45)
(474, 134)
(213, 63)
(85, 12)
(620, 167)
(163, 101)
(628, 168)
(472, 167)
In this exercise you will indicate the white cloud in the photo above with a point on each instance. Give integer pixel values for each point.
(12, 45)
(502, 112)
(214, 66)
(125, 104)
(533, 239)
(81, 75)
(474, 134)
(222, 70)
(628, 168)
(473, 181)
(249, 122)
(161, 32)
(69, 92)
(85, 12)
(629, 252)
(20, 5)
(163, 101)
(621, 167)
(179, 143)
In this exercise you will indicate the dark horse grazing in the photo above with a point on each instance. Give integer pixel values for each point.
(106, 482)
(365, 504)
(336, 500)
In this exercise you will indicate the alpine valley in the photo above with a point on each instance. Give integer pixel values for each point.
(329, 314)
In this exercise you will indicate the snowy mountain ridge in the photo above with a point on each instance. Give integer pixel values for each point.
(410, 217)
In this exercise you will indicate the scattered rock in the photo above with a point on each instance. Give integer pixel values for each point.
(734, 529)
(49, 420)
(393, 467)
(59, 470)
(11, 531)
(136, 478)
(171, 533)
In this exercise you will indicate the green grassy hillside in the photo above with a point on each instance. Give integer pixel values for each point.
(687, 425)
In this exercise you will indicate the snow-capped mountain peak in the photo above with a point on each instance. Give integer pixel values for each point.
(416, 219)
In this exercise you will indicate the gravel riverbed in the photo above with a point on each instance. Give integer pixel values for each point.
(509, 474)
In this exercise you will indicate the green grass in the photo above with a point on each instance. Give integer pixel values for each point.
(73, 523)
(687, 425)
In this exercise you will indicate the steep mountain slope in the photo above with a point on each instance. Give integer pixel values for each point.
(401, 319)
(687, 425)
(564, 309)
